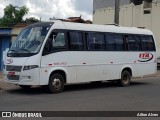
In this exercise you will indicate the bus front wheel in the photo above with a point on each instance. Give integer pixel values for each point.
(56, 83)
(125, 79)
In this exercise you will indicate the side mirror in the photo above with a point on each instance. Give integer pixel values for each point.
(46, 47)
(10, 44)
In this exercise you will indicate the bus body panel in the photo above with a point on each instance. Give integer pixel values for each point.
(85, 67)
(26, 77)
(46, 72)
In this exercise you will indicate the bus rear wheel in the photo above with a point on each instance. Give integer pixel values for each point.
(125, 79)
(56, 83)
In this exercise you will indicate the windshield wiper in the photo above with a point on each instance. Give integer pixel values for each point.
(13, 51)
(23, 50)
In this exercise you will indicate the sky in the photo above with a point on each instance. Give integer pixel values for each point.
(46, 9)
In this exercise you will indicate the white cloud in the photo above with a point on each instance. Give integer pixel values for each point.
(53, 8)
(1, 9)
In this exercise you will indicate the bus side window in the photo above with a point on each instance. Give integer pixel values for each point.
(58, 40)
(76, 40)
(55, 42)
(115, 42)
(110, 42)
(147, 43)
(120, 45)
(133, 43)
(95, 41)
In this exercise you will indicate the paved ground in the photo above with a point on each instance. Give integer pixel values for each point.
(143, 94)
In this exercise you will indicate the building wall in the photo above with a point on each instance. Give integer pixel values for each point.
(155, 24)
(7, 36)
(15, 32)
(5, 41)
(132, 15)
(107, 3)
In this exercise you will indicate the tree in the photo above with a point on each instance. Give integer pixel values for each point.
(31, 20)
(13, 15)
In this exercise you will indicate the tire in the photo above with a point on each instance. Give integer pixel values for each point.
(125, 79)
(56, 83)
(25, 86)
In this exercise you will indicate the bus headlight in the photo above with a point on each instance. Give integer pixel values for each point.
(30, 67)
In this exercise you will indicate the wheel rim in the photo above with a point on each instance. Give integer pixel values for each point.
(56, 83)
(125, 79)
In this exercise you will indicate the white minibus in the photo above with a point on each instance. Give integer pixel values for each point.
(57, 53)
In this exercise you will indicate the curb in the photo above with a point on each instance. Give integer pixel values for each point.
(151, 76)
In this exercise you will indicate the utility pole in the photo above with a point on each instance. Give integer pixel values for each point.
(116, 16)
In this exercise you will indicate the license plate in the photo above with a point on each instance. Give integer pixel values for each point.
(11, 73)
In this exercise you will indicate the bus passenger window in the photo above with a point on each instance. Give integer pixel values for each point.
(133, 43)
(95, 41)
(115, 42)
(120, 46)
(110, 43)
(76, 41)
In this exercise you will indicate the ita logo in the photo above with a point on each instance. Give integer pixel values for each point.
(145, 57)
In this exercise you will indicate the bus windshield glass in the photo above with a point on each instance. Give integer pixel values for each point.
(29, 41)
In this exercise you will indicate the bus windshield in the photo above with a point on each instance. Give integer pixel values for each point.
(29, 41)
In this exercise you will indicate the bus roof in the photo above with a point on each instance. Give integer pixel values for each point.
(103, 28)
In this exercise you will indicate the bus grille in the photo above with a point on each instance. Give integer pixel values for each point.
(13, 68)
(14, 77)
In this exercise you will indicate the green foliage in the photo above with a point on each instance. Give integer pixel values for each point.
(31, 20)
(13, 15)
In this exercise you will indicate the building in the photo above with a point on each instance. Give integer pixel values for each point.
(133, 13)
(17, 29)
(5, 42)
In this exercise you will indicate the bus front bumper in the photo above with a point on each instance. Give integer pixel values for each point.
(28, 77)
